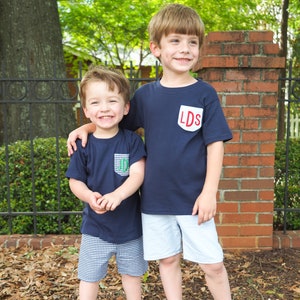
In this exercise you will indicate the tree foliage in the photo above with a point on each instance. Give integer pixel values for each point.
(116, 31)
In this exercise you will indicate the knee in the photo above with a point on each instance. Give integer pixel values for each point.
(213, 269)
(170, 261)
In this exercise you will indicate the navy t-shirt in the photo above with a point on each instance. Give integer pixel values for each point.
(179, 123)
(103, 166)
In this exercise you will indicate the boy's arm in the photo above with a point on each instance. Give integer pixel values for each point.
(81, 191)
(79, 133)
(206, 203)
(136, 177)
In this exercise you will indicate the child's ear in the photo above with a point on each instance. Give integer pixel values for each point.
(86, 112)
(126, 109)
(155, 49)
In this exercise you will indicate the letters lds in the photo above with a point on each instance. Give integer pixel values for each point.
(190, 118)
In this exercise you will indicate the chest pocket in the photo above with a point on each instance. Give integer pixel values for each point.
(121, 164)
(190, 117)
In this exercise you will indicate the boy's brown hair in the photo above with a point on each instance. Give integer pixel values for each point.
(176, 18)
(113, 79)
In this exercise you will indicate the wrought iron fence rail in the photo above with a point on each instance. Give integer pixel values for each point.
(7, 99)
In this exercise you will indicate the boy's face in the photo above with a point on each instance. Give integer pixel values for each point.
(104, 108)
(177, 52)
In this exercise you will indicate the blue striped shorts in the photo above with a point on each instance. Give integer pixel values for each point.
(95, 254)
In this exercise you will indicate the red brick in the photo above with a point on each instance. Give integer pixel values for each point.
(265, 218)
(239, 242)
(257, 207)
(228, 184)
(256, 184)
(269, 100)
(242, 99)
(265, 243)
(230, 160)
(267, 62)
(266, 195)
(244, 124)
(261, 86)
(257, 230)
(271, 49)
(260, 112)
(220, 62)
(224, 207)
(239, 172)
(228, 86)
(211, 49)
(227, 230)
(259, 136)
(212, 75)
(241, 148)
(268, 123)
(245, 218)
(260, 36)
(242, 74)
(257, 160)
(267, 148)
(270, 75)
(241, 49)
(225, 36)
(266, 172)
(230, 112)
(241, 196)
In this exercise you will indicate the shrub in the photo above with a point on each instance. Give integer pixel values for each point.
(293, 186)
(34, 180)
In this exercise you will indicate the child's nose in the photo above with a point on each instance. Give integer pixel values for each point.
(185, 47)
(104, 106)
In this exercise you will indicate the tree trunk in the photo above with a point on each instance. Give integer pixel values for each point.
(34, 90)
(283, 52)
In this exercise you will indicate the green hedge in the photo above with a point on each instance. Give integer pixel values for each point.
(46, 191)
(43, 181)
(293, 199)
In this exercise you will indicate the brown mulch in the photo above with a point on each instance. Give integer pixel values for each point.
(51, 273)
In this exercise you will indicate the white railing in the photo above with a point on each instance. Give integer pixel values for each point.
(294, 126)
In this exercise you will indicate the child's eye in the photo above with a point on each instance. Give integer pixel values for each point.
(194, 43)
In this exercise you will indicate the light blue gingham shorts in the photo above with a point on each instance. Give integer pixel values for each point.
(95, 254)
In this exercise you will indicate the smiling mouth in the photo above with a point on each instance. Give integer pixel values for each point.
(105, 117)
(183, 59)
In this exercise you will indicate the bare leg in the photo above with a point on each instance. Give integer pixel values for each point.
(170, 272)
(217, 280)
(88, 290)
(132, 287)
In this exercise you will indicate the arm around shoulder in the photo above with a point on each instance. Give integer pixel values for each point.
(79, 133)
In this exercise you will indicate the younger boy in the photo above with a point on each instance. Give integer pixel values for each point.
(184, 132)
(106, 175)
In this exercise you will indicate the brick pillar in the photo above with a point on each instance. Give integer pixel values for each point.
(244, 66)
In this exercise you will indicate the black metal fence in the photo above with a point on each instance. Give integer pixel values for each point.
(287, 181)
(29, 94)
(21, 177)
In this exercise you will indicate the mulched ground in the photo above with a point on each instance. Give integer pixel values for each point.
(51, 273)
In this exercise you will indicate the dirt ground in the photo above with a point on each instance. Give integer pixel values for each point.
(51, 273)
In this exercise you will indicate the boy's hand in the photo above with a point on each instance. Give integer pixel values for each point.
(109, 201)
(79, 133)
(93, 202)
(205, 206)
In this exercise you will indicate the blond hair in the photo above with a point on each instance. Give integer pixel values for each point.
(176, 18)
(113, 79)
